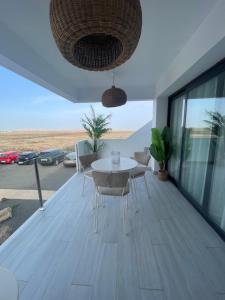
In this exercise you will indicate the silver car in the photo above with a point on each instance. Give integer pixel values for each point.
(70, 160)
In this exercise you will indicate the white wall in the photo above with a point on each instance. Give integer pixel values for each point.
(136, 142)
(204, 49)
(160, 111)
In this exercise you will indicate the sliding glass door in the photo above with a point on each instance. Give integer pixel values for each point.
(197, 121)
(197, 140)
(216, 201)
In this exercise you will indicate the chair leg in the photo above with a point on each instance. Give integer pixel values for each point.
(96, 214)
(83, 185)
(146, 185)
(125, 205)
(95, 201)
(134, 188)
(124, 216)
(102, 201)
(135, 195)
(126, 202)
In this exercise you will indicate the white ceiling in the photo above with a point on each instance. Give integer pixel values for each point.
(26, 39)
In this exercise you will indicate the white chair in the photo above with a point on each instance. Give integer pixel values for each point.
(86, 161)
(143, 159)
(110, 184)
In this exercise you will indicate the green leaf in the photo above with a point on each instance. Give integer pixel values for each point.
(166, 135)
(157, 139)
(161, 148)
(156, 153)
(96, 125)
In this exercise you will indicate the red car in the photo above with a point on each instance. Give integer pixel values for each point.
(9, 157)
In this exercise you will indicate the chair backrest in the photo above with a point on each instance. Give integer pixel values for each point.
(87, 160)
(110, 180)
(142, 157)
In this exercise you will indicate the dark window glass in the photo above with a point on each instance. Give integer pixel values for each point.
(196, 155)
(176, 124)
(198, 137)
(216, 206)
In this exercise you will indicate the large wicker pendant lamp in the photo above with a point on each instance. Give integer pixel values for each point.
(96, 35)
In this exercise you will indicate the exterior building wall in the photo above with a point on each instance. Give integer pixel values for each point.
(203, 50)
(136, 142)
(160, 112)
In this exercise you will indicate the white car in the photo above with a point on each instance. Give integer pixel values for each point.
(70, 160)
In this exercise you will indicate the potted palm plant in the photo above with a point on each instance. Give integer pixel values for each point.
(161, 150)
(96, 125)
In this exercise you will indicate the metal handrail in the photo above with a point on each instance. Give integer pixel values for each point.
(35, 160)
(38, 184)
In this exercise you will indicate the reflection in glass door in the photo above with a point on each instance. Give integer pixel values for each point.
(197, 141)
(216, 206)
(176, 125)
(198, 137)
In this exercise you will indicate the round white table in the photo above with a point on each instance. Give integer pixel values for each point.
(105, 165)
(8, 285)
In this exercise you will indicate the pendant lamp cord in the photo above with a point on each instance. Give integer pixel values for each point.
(113, 78)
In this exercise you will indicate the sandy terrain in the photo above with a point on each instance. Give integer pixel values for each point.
(41, 140)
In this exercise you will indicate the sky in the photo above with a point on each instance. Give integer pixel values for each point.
(197, 110)
(26, 105)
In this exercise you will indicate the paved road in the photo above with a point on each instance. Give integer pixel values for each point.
(23, 177)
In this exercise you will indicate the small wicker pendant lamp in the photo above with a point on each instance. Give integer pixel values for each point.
(114, 97)
(96, 35)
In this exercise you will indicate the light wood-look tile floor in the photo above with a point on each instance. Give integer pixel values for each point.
(169, 251)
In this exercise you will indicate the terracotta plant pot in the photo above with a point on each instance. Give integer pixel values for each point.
(163, 175)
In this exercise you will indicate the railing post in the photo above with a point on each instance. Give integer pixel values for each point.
(38, 184)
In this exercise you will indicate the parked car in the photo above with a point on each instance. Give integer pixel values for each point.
(70, 160)
(51, 157)
(27, 158)
(9, 157)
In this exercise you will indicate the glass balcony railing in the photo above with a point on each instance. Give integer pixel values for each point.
(26, 185)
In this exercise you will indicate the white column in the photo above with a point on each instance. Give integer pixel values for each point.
(160, 112)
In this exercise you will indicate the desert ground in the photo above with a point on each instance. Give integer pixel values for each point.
(42, 140)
